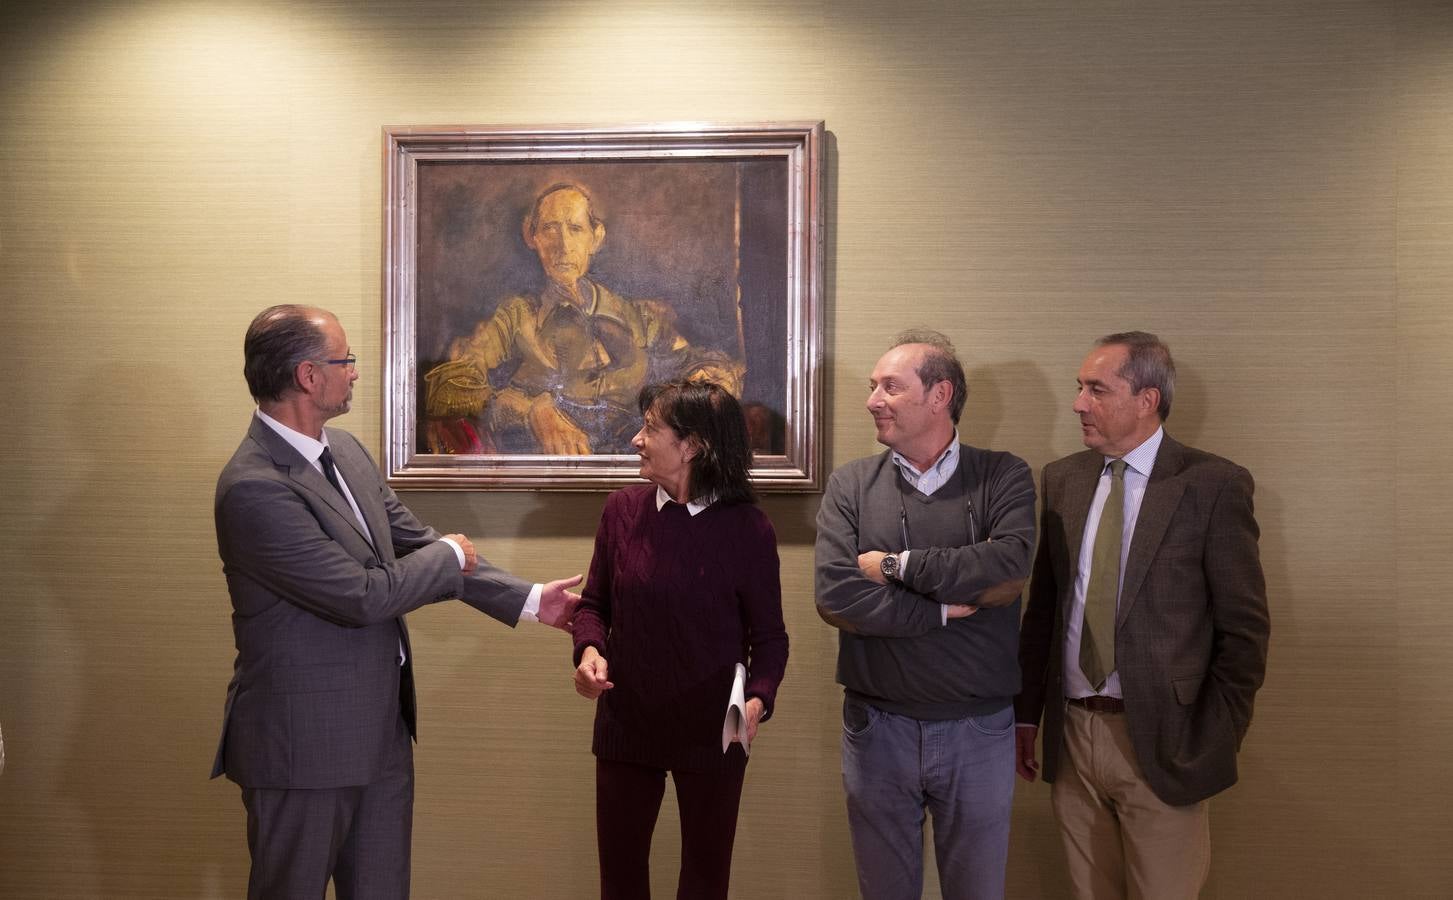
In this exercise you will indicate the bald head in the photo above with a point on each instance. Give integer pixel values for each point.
(278, 340)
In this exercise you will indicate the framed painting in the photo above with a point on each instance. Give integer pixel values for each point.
(535, 279)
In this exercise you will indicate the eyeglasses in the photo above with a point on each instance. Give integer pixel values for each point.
(351, 361)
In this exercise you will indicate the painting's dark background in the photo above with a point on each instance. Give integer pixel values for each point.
(671, 234)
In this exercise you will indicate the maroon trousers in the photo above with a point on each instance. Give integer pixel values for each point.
(627, 802)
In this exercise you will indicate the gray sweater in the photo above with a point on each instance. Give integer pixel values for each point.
(974, 533)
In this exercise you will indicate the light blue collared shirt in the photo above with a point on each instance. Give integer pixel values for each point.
(926, 483)
(938, 474)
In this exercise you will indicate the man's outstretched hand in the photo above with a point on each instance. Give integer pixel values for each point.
(558, 605)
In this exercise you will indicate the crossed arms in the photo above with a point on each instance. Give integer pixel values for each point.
(988, 573)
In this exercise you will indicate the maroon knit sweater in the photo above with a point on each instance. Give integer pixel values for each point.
(673, 603)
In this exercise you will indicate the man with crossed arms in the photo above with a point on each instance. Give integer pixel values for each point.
(921, 554)
(1144, 702)
(322, 561)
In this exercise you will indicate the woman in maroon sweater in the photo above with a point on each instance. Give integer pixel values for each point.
(683, 587)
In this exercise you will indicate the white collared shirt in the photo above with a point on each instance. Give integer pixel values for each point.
(1138, 464)
(692, 506)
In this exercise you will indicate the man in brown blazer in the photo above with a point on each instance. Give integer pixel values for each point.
(1143, 655)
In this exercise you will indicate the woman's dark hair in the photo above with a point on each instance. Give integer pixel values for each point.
(708, 413)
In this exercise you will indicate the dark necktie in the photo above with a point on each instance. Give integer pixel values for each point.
(1097, 636)
(331, 473)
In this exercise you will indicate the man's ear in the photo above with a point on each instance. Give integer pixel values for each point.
(527, 232)
(305, 376)
(942, 394)
(598, 234)
(1148, 401)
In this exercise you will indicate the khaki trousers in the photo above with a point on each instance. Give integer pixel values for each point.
(1120, 839)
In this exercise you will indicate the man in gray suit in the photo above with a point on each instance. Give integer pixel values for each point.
(1144, 640)
(322, 561)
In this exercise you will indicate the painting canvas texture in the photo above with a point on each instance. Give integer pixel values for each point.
(549, 293)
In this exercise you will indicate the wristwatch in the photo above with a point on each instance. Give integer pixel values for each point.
(890, 566)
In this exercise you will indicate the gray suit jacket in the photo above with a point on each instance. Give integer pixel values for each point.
(317, 689)
(1192, 623)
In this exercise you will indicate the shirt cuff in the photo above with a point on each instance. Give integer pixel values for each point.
(458, 551)
(903, 570)
(531, 612)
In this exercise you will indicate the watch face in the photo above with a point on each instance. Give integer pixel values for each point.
(890, 566)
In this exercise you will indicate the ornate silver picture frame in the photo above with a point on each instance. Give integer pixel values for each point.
(536, 278)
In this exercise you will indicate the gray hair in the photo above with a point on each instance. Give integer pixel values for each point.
(532, 221)
(940, 363)
(1147, 365)
(278, 340)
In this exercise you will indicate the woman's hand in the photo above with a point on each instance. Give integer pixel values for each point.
(590, 677)
(755, 710)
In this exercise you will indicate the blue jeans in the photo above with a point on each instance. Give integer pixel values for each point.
(961, 771)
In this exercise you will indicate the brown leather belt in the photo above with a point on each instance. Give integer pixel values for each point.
(1099, 704)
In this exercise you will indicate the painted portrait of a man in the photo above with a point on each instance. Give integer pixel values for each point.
(537, 278)
(558, 372)
(550, 295)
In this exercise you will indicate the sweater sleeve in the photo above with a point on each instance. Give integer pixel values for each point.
(592, 617)
(990, 572)
(761, 605)
(846, 598)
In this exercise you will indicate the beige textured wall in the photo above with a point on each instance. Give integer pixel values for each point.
(1267, 185)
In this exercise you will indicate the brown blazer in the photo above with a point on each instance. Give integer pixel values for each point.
(1191, 627)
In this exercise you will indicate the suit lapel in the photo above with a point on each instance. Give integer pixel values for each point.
(1079, 490)
(1162, 496)
(358, 469)
(303, 472)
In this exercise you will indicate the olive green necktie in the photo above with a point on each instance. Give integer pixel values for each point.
(1097, 637)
